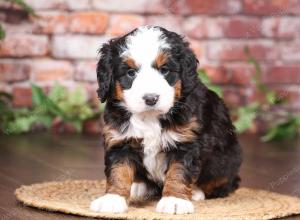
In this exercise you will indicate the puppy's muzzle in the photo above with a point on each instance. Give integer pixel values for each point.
(151, 99)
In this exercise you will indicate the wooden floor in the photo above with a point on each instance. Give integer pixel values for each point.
(43, 157)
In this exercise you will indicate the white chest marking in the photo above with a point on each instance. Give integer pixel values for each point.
(154, 141)
(148, 128)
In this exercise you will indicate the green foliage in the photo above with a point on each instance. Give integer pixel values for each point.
(71, 107)
(205, 79)
(14, 120)
(246, 115)
(284, 130)
(24, 6)
(2, 33)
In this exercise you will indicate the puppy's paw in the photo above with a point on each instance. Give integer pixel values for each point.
(197, 195)
(109, 203)
(173, 205)
(138, 190)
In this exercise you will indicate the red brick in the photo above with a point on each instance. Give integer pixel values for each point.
(122, 24)
(170, 22)
(77, 46)
(240, 27)
(235, 96)
(24, 27)
(21, 96)
(53, 4)
(196, 27)
(206, 7)
(50, 22)
(289, 93)
(51, 70)
(22, 45)
(11, 71)
(88, 22)
(234, 27)
(197, 48)
(290, 51)
(78, 4)
(281, 27)
(271, 7)
(283, 74)
(233, 74)
(86, 71)
(139, 6)
(234, 50)
(60, 4)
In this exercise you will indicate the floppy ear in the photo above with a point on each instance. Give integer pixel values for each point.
(104, 72)
(189, 65)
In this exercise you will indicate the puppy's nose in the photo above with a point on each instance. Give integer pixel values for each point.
(151, 99)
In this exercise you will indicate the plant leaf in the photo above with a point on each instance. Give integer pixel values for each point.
(2, 32)
(246, 116)
(206, 81)
(283, 130)
(24, 6)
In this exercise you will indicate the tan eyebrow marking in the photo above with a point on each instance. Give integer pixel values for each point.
(131, 63)
(161, 59)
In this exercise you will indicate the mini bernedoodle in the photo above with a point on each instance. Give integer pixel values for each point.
(166, 134)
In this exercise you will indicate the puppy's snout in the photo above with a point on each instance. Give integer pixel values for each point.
(151, 99)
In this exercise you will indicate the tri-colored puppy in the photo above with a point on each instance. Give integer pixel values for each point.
(165, 133)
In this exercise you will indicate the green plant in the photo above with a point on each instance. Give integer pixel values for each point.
(15, 120)
(281, 124)
(283, 130)
(206, 80)
(24, 6)
(72, 107)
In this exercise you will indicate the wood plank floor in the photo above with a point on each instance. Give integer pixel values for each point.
(28, 159)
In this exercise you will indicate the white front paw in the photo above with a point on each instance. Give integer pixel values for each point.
(173, 205)
(138, 190)
(198, 195)
(109, 203)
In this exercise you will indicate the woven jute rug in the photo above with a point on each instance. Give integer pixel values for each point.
(74, 197)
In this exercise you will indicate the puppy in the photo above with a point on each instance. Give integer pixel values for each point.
(166, 135)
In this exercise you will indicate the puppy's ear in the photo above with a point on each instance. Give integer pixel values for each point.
(104, 72)
(189, 65)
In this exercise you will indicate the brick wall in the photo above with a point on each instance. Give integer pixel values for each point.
(61, 44)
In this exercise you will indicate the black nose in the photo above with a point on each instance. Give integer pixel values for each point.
(151, 99)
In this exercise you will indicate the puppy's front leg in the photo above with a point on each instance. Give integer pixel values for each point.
(119, 178)
(176, 193)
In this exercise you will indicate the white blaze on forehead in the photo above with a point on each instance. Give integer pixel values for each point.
(145, 44)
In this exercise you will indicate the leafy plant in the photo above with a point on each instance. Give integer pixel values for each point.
(205, 79)
(24, 6)
(281, 124)
(284, 130)
(246, 115)
(72, 107)
(2, 32)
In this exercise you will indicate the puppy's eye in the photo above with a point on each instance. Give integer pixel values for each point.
(164, 70)
(131, 72)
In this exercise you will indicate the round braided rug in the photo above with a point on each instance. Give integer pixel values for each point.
(74, 197)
